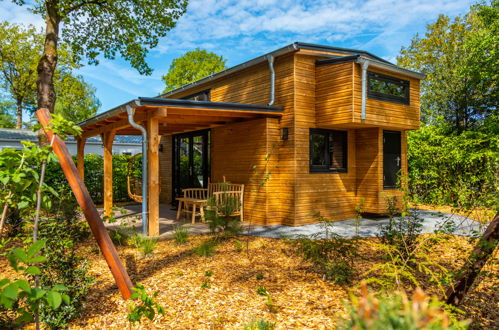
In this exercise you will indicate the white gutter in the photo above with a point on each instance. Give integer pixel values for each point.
(270, 58)
(145, 207)
(364, 64)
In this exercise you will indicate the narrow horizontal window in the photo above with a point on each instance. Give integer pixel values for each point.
(328, 150)
(201, 96)
(387, 88)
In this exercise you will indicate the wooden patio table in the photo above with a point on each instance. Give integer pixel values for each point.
(196, 204)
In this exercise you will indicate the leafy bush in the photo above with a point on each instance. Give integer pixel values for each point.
(260, 324)
(397, 311)
(332, 254)
(94, 177)
(262, 291)
(180, 235)
(64, 266)
(19, 296)
(457, 169)
(219, 215)
(143, 305)
(401, 232)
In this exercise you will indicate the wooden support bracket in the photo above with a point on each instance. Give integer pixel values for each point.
(80, 191)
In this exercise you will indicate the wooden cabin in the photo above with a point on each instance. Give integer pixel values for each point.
(307, 128)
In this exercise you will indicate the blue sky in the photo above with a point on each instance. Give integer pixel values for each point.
(242, 30)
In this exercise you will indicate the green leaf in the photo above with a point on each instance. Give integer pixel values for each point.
(54, 299)
(32, 270)
(24, 285)
(36, 247)
(25, 316)
(66, 299)
(60, 287)
(37, 293)
(11, 291)
(38, 259)
(20, 255)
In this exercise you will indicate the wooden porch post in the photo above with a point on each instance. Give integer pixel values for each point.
(80, 155)
(153, 175)
(107, 141)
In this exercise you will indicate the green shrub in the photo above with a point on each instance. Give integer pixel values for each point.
(262, 291)
(206, 285)
(206, 249)
(120, 235)
(451, 168)
(238, 245)
(208, 273)
(332, 254)
(398, 312)
(260, 324)
(401, 232)
(64, 266)
(19, 297)
(180, 235)
(219, 216)
(145, 244)
(94, 177)
(143, 305)
(259, 276)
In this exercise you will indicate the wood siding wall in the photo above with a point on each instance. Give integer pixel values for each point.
(339, 100)
(312, 97)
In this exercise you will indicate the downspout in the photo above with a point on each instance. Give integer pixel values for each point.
(270, 58)
(145, 208)
(365, 64)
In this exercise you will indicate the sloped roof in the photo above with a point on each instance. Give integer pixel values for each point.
(10, 134)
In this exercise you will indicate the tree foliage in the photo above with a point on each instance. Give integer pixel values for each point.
(76, 99)
(7, 117)
(460, 59)
(95, 28)
(192, 66)
(20, 49)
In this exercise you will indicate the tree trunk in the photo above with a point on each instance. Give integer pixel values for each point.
(19, 123)
(48, 61)
(481, 253)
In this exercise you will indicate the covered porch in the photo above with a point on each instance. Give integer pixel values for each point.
(159, 117)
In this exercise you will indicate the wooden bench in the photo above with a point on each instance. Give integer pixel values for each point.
(194, 200)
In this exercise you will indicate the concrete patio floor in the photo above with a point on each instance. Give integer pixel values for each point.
(370, 227)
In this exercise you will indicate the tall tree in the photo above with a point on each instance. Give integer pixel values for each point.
(192, 66)
(455, 54)
(7, 118)
(76, 99)
(92, 28)
(20, 49)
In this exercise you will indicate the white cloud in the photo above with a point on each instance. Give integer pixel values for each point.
(18, 14)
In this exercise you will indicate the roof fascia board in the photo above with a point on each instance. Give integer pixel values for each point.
(391, 68)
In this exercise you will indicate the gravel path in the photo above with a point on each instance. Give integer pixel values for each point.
(371, 227)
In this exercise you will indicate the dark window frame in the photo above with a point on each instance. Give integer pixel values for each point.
(388, 97)
(206, 92)
(327, 168)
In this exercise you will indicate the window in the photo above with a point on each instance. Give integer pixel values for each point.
(201, 96)
(328, 150)
(386, 88)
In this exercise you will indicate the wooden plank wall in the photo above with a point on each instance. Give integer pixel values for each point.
(252, 86)
(383, 113)
(334, 94)
(331, 194)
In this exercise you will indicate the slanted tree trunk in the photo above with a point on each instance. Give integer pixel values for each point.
(19, 122)
(48, 61)
(481, 253)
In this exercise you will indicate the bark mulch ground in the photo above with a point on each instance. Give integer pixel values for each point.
(229, 299)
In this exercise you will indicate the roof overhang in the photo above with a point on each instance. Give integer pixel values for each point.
(174, 116)
(382, 65)
(294, 47)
